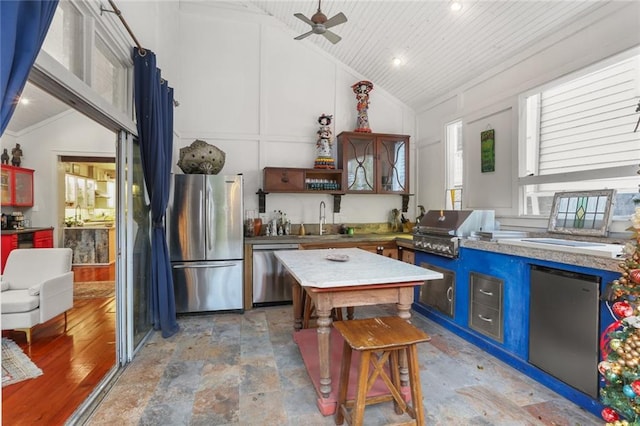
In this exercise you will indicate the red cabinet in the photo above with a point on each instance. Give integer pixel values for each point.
(9, 242)
(43, 239)
(39, 238)
(16, 186)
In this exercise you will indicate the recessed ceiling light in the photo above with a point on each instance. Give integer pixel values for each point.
(24, 101)
(396, 62)
(456, 6)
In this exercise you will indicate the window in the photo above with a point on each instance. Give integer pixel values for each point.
(578, 136)
(78, 42)
(453, 196)
(64, 38)
(108, 75)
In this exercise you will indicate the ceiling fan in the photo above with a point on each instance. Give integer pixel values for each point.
(320, 25)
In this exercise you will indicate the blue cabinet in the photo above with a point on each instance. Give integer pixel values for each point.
(514, 272)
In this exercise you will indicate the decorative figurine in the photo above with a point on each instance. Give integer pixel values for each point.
(5, 157)
(324, 160)
(362, 89)
(16, 153)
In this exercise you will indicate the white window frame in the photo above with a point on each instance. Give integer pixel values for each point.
(97, 24)
(453, 200)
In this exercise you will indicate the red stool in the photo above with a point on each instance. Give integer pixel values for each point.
(389, 336)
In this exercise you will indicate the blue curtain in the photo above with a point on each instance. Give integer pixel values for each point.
(23, 26)
(154, 113)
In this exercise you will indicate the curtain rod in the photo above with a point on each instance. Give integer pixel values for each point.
(119, 14)
(140, 48)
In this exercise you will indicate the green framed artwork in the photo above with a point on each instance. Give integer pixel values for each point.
(488, 151)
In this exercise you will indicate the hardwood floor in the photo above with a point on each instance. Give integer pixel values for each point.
(94, 273)
(73, 362)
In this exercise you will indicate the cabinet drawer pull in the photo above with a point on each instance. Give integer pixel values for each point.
(486, 293)
(284, 178)
(450, 294)
(485, 319)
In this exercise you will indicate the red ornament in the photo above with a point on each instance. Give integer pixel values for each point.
(609, 415)
(622, 309)
(634, 274)
(635, 385)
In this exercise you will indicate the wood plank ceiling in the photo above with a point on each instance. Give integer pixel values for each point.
(441, 50)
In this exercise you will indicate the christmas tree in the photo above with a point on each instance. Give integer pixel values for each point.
(620, 342)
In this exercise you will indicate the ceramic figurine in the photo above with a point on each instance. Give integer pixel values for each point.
(16, 153)
(5, 157)
(362, 89)
(324, 160)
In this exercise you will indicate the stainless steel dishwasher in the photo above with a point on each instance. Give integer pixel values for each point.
(269, 284)
(563, 327)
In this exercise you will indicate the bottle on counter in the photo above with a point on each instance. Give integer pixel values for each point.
(302, 231)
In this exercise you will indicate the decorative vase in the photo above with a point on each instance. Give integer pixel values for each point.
(201, 158)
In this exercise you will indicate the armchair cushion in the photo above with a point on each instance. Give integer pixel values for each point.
(18, 301)
(34, 290)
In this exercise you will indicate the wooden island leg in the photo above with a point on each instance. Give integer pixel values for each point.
(405, 299)
(297, 295)
(324, 350)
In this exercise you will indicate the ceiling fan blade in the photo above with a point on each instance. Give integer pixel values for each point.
(301, 17)
(332, 37)
(336, 20)
(301, 36)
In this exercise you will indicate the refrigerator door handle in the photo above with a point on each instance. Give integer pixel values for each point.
(208, 265)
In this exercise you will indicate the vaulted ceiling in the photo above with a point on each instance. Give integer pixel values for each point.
(441, 50)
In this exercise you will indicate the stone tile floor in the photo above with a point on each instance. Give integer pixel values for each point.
(233, 369)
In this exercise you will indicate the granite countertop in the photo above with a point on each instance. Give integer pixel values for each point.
(25, 230)
(588, 261)
(312, 268)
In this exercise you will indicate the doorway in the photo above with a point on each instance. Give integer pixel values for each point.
(89, 213)
(81, 355)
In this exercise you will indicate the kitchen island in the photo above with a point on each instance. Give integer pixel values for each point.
(337, 278)
(91, 245)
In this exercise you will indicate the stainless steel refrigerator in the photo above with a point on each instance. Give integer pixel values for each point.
(205, 238)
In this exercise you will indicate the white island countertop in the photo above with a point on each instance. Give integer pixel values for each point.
(312, 268)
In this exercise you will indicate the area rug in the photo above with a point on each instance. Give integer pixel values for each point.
(94, 289)
(16, 366)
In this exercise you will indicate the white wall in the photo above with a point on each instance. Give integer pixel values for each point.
(491, 101)
(247, 87)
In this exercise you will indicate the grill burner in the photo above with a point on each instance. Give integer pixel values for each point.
(439, 232)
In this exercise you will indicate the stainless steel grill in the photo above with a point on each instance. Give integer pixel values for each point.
(439, 232)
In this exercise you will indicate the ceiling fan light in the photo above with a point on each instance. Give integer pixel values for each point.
(455, 6)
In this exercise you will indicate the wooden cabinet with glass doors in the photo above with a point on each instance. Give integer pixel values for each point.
(16, 186)
(374, 163)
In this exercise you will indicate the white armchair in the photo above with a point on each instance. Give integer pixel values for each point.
(37, 285)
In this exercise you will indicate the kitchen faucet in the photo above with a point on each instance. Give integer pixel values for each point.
(76, 213)
(322, 216)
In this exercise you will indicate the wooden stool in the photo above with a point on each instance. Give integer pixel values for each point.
(389, 336)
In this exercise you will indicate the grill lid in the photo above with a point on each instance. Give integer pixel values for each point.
(460, 223)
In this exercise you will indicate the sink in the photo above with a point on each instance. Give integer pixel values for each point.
(569, 246)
